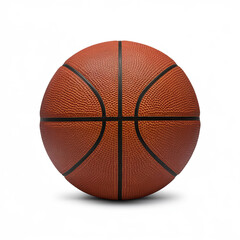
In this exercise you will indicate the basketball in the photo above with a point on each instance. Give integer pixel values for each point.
(119, 120)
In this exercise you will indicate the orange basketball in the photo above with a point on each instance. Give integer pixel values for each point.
(119, 120)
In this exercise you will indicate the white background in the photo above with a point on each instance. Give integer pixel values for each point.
(37, 37)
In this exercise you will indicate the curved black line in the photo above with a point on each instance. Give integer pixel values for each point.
(89, 152)
(127, 118)
(149, 85)
(151, 152)
(103, 122)
(136, 121)
(91, 86)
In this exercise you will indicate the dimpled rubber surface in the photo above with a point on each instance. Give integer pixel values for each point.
(104, 150)
(99, 64)
(172, 95)
(68, 96)
(141, 64)
(173, 137)
(67, 142)
(142, 175)
(98, 175)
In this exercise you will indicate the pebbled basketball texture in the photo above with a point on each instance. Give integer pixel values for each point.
(119, 120)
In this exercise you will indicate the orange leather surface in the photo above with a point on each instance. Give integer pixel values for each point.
(68, 96)
(99, 64)
(98, 175)
(172, 141)
(140, 65)
(67, 142)
(142, 175)
(171, 95)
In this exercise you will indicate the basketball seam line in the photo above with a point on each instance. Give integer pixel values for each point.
(88, 153)
(128, 118)
(150, 85)
(94, 90)
(103, 122)
(119, 120)
(164, 165)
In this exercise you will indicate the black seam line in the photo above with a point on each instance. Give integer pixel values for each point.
(103, 122)
(89, 152)
(119, 119)
(136, 122)
(150, 85)
(151, 152)
(91, 86)
(135, 118)
(119, 78)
